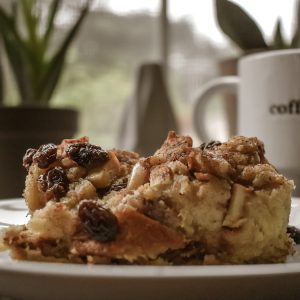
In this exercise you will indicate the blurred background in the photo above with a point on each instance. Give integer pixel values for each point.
(119, 35)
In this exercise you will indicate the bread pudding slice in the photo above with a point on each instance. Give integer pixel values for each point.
(220, 203)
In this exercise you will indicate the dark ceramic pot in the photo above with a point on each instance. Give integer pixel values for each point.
(28, 127)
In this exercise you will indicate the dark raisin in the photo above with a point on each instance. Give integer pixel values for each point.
(54, 183)
(101, 192)
(116, 186)
(294, 233)
(28, 158)
(209, 145)
(87, 155)
(99, 222)
(45, 156)
(119, 185)
(191, 253)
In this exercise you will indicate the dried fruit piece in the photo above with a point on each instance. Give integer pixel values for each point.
(116, 186)
(99, 222)
(209, 145)
(28, 158)
(294, 233)
(45, 156)
(54, 183)
(87, 155)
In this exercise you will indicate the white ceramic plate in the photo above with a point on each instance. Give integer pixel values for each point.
(34, 280)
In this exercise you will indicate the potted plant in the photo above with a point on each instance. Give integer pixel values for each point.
(26, 38)
(247, 36)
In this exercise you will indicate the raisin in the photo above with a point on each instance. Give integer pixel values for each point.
(294, 233)
(116, 186)
(99, 222)
(209, 145)
(28, 158)
(101, 192)
(119, 184)
(87, 155)
(193, 251)
(54, 183)
(45, 156)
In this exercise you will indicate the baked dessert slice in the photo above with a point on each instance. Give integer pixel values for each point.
(220, 203)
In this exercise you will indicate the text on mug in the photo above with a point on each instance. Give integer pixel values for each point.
(293, 107)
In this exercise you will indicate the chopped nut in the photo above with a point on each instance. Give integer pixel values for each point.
(203, 176)
(160, 176)
(206, 162)
(75, 173)
(68, 163)
(102, 176)
(139, 176)
(85, 190)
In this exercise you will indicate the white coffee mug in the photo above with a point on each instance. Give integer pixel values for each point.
(268, 93)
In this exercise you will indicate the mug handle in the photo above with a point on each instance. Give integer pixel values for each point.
(204, 95)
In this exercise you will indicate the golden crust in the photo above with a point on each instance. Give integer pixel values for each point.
(139, 237)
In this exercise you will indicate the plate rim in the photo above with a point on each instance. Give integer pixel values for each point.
(8, 265)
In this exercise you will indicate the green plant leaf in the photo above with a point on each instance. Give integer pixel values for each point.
(20, 72)
(22, 54)
(295, 43)
(16, 53)
(14, 11)
(31, 20)
(278, 41)
(55, 66)
(35, 75)
(239, 26)
(50, 22)
(34, 43)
